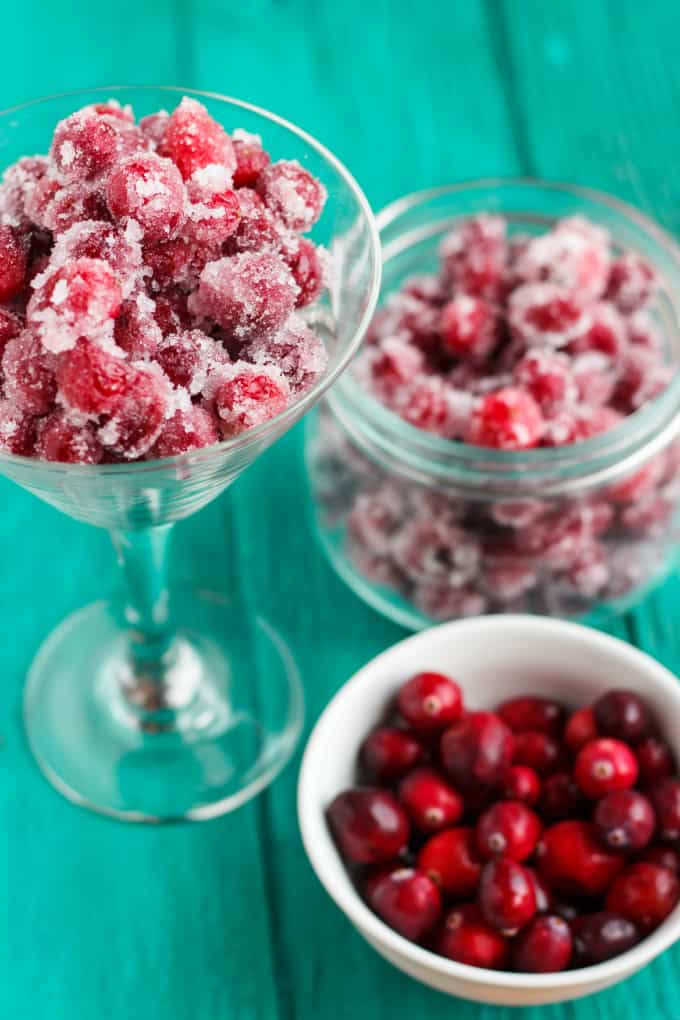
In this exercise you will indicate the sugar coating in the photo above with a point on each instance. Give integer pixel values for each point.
(151, 287)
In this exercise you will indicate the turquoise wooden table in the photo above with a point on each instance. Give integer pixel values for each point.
(226, 921)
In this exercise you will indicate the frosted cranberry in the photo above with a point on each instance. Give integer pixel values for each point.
(292, 194)
(594, 375)
(149, 190)
(655, 758)
(530, 712)
(426, 405)
(93, 239)
(193, 140)
(622, 714)
(468, 327)
(135, 330)
(188, 429)
(580, 729)
(62, 440)
(603, 766)
(369, 825)
(651, 517)
(594, 421)
(84, 146)
(171, 313)
(624, 820)
(521, 783)
(507, 898)
(452, 861)
(662, 857)
(508, 829)
(297, 351)
(112, 108)
(573, 862)
(57, 207)
(249, 295)
(19, 182)
(431, 803)
(256, 228)
(251, 159)
(91, 380)
(605, 334)
(447, 602)
(573, 255)
(560, 797)
(665, 798)
(388, 753)
(182, 356)
(29, 375)
(212, 216)
(542, 313)
(543, 947)
(430, 701)
(642, 376)
(466, 938)
(17, 430)
(408, 901)
(174, 262)
(546, 375)
(537, 750)
(508, 578)
(509, 419)
(12, 263)
(632, 282)
(644, 894)
(302, 258)
(250, 396)
(477, 750)
(153, 127)
(601, 936)
(10, 326)
(137, 418)
(80, 298)
(474, 256)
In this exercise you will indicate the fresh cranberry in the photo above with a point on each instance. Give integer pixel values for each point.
(466, 938)
(645, 894)
(430, 802)
(188, 429)
(476, 750)
(430, 701)
(573, 861)
(251, 159)
(408, 901)
(536, 750)
(560, 797)
(580, 729)
(62, 440)
(507, 898)
(508, 829)
(530, 712)
(663, 857)
(521, 783)
(292, 194)
(193, 140)
(665, 798)
(508, 419)
(248, 295)
(149, 190)
(388, 753)
(249, 396)
(543, 947)
(600, 936)
(13, 263)
(468, 327)
(451, 860)
(369, 825)
(605, 765)
(622, 714)
(544, 899)
(29, 375)
(625, 820)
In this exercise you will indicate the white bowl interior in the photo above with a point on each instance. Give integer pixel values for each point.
(492, 658)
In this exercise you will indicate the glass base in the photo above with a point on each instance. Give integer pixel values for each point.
(212, 741)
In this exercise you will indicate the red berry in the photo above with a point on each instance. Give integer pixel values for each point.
(431, 803)
(17, 430)
(251, 396)
(665, 798)
(369, 825)
(79, 299)
(149, 190)
(622, 714)
(430, 701)
(451, 860)
(530, 712)
(257, 228)
(91, 380)
(84, 146)
(543, 947)
(547, 376)
(507, 897)
(302, 258)
(136, 331)
(474, 256)
(632, 282)
(560, 797)
(546, 314)
(29, 374)
(521, 783)
(624, 820)
(645, 894)
(662, 857)
(62, 440)
(251, 159)
(465, 938)
(292, 194)
(543, 895)
(508, 829)
(573, 861)
(536, 750)
(408, 901)
(601, 936)
(188, 429)
(388, 753)
(193, 140)
(477, 750)
(10, 326)
(508, 419)
(13, 263)
(468, 327)
(605, 765)
(580, 729)
(212, 216)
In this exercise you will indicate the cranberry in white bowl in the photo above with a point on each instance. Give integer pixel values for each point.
(508, 439)
(560, 837)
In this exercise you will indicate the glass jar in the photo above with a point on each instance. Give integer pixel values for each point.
(426, 529)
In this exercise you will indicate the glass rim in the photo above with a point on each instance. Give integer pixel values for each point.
(253, 436)
(660, 410)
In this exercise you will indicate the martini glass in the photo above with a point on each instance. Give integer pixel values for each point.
(148, 710)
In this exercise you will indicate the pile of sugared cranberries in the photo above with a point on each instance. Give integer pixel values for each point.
(152, 281)
(526, 839)
(519, 341)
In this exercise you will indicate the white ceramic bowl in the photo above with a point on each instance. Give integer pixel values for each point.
(493, 658)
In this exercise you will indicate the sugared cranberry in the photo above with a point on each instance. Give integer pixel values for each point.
(547, 376)
(408, 901)
(369, 825)
(79, 299)
(625, 820)
(580, 729)
(521, 783)
(537, 750)
(645, 894)
(388, 753)
(193, 140)
(476, 750)
(508, 829)
(13, 263)
(573, 861)
(184, 359)
(451, 860)
(560, 797)
(84, 146)
(509, 419)
(430, 701)
(530, 712)
(251, 159)
(431, 803)
(257, 229)
(507, 898)
(632, 282)
(466, 938)
(305, 263)
(544, 946)
(249, 396)
(91, 380)
(149, 190)
(468, 327)
(137, 418)
(292, 194)
(622, 714)
(212, 216)
(29, 374)
(665, 798)
(474, 256)
(600, 936)
(249, 295)
(663, 857)
(189, 428)
(62, 440)
(605, 765)
(17, 430)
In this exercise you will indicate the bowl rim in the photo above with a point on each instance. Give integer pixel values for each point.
(348, 900)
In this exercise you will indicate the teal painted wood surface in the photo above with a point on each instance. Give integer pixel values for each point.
(226, 921)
